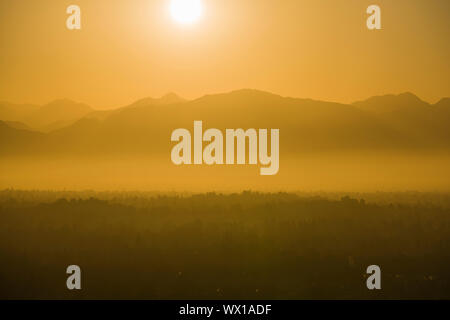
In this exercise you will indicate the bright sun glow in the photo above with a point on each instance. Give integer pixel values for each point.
(186, 11)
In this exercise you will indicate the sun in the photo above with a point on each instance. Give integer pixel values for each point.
(186, 11)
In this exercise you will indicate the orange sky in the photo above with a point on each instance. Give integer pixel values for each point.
(318, 49)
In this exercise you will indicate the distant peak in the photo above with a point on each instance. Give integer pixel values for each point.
(409, 96)
(171, 95)
(65, 102)
(171, 98)
(243, 93)
(247, 91)
(61, 101)
(403, 102)
(443, 103)
(393, 98)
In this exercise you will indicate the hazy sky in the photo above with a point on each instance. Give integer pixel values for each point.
(318, 49)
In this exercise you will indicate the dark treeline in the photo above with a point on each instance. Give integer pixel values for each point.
(216, 246)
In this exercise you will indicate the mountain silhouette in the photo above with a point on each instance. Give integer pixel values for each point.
(18, 125)
(19, 141)
(169, 98)
(51, 116)
(390, 122)
(443, 105)
(57, 114)
(404, 102)
(15, 112)
(425, 123)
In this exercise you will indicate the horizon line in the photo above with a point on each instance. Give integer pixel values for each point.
(2, 101)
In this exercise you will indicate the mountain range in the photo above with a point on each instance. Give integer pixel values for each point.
(397, 122)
